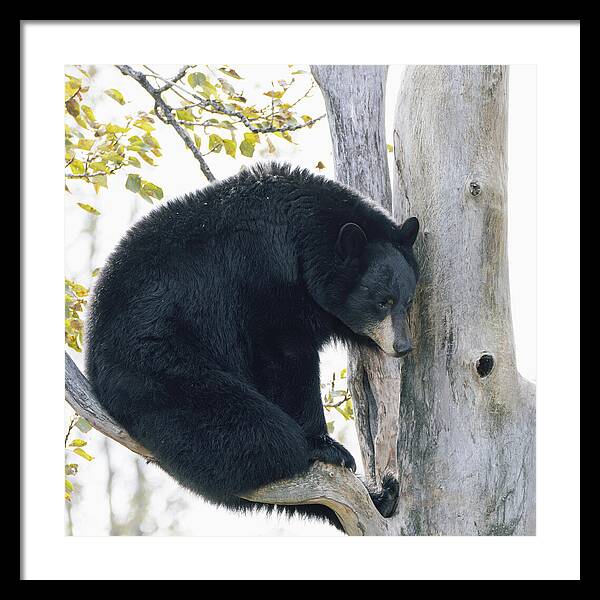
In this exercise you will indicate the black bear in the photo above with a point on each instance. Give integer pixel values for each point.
(206, 323)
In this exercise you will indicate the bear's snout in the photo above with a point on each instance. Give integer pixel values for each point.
(402, 348)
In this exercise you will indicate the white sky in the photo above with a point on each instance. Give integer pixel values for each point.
(177, 172)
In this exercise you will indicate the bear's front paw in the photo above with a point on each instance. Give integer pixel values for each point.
(329, 451)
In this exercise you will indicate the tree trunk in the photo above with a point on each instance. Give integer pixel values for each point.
(467, 418)
(356, 115)
(460, 423)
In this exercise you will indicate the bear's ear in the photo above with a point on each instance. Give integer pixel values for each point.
(351, 241)
(407, 234)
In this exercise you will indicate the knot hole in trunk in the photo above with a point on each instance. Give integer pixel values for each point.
(485, 365)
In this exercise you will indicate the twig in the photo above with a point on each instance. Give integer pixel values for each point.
(70, 428)
(171, 82)
(337, 403)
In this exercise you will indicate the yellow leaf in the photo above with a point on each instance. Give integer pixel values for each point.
(89, 208)
(115, 95)
(78, 443)
(83, 454)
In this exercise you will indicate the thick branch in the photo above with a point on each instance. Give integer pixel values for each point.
(329, 485)
(334, 487)
(78, 393)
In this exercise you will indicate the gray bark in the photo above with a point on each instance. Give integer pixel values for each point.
(354, 98)
(79, 395)
(461, 438)
(467, 438)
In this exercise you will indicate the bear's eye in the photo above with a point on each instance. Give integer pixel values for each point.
(387, 303)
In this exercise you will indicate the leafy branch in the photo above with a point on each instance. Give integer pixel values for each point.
(165, 113)
(95, 150)
(277, 118)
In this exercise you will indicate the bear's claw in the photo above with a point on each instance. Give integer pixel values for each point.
(327, 450)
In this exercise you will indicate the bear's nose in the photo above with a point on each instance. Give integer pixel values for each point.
(402, 349)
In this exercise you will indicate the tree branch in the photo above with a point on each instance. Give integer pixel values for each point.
(167, 115)
(78, 393)
(330, 485)
(220, 108)
(169, 84)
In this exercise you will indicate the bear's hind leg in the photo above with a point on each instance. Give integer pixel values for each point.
(227, 439)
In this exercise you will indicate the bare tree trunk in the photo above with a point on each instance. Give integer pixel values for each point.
(354, 97)
(465, 423)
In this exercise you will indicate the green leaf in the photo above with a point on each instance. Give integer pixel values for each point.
(230, 147)
(185, 115)
(83, 454)
(112, 128)
(76, 167)
(151, 141)
(81, 122)
(85, 144)
(284, 134)
(133, 183)
(72, 86)
(114, 157)
(343, 373)
(132, 160)
(330, 427)
(390, 148)
(83, 424)
(115, 95)
(246, 148)
(89, 113)
(152, 190)
(99, 166)
(196, 79)
(89, 208)
(209, 89)
(145, 157)
(144, 125)
(215, 142)
(197, 140)
(100, 181)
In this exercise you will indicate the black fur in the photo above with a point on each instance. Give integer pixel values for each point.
(206, 323)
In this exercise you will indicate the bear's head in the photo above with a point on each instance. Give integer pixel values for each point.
(380, 280)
